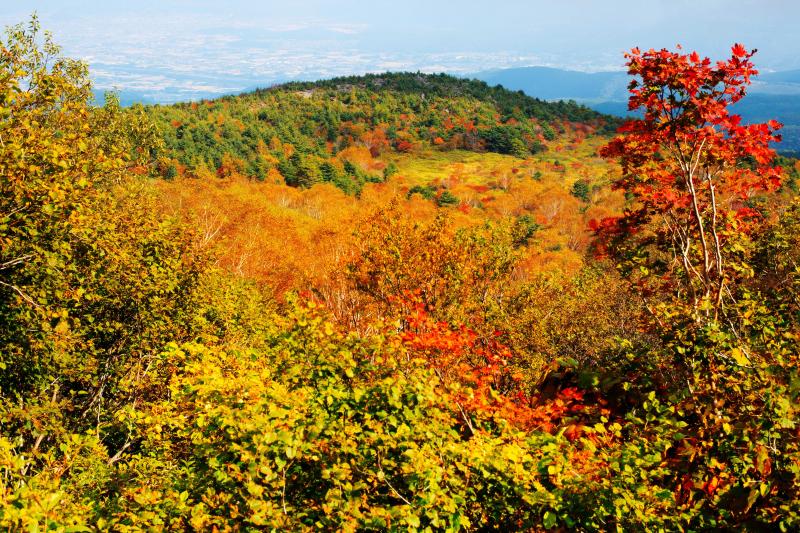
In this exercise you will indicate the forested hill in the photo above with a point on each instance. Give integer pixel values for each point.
(301, 132)
(509, 103)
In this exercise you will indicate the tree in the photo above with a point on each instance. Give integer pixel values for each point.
(580, 190)
(93, 282)
(690, 165)
(390, 170)
(504, 140)
(446, 198)
(171, 172)
(725, 359)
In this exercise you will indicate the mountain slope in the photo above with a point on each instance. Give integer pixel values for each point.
(786, 76)
(305, 133)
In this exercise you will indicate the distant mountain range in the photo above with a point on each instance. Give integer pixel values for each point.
(773, 95)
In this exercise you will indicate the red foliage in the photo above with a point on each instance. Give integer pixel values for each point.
(688, 160)
(606, 230)
(685, 101)
(376, 141)
(488, 383)
(458, 355)
(548, 415)
(469, 126)
(404, 146)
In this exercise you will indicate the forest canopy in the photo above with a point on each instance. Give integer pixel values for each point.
(441, 362)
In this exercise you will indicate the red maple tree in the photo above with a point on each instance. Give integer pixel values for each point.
(689, 165)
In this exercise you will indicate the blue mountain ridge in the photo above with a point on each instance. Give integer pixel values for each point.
(773, 95)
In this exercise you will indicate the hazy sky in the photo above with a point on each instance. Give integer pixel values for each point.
(173, 49)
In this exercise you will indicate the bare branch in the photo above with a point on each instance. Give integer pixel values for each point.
(21, 294)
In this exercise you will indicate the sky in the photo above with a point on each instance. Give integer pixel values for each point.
(171, 50)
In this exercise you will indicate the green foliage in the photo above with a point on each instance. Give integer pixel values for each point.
(428, 192)
(389, 171)
(171, 172)
(93, 282)
(580, 190)
(508, 140)
(324, 430)
(446, 198)
(86, 266)
(524, 229)
(792, 170)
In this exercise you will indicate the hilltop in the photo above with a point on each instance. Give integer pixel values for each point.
(304, 133)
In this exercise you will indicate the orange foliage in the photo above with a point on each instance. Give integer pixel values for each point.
(376, 141)
(361, 156)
